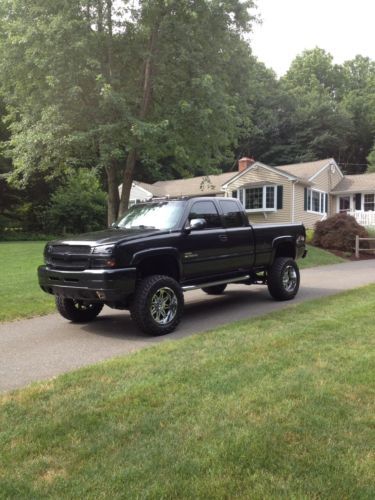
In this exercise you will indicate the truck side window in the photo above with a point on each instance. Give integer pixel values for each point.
(232, 214)
(206, 210)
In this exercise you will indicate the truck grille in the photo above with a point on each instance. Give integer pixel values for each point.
(71, 249)
(68, 257)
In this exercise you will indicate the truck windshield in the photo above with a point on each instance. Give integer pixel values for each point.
(164, 215)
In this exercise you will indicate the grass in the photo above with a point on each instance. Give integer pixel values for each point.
(277, 407)
(20, 295)
(318, 257)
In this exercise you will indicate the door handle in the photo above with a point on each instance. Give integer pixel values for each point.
(223, 237)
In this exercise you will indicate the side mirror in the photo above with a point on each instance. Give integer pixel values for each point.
(196, 224)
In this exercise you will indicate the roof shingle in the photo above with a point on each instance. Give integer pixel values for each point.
(356, 184)
(305, 170)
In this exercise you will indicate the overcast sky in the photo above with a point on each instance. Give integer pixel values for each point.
(344, 28)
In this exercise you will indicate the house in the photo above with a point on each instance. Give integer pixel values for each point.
(208, 185)
(355, 194)
(288, 193)
(303, 192)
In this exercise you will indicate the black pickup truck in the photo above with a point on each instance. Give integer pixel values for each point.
(161, 249)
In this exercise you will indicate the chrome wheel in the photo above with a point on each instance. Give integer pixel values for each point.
(289, 278)
(163, 306)
(81, 306)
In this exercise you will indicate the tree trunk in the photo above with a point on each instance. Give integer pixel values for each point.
(113, 194)
(127, 181)
(144, 109)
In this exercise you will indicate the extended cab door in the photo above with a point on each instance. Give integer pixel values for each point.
(241, 244)
(204, 252)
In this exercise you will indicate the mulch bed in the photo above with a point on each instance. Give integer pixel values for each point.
(362, 255)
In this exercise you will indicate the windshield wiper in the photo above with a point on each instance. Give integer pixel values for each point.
(142, 226)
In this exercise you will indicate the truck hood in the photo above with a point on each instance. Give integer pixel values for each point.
(109, 236)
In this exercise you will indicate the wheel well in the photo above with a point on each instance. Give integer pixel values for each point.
(161, 264)
(286, 249)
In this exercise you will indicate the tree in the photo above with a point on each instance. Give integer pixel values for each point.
(78, 205)
(134, 85)
(321, 127)
(358, 100)
(371, 161)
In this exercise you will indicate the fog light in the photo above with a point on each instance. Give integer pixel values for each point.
(101, 295)
(111, 263)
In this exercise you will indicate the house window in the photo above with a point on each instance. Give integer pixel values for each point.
(369, 202)
(258, 199)
(316, 201)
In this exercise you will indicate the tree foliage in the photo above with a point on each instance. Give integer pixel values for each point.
(159, 89)
(317, 110)
(133, 84)
(78, 205)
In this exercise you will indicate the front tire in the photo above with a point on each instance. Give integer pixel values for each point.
(283, 279)
(215, 289)
(157, 305)
(77, 311)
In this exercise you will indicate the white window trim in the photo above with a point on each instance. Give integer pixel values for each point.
(324, 201)
(241, 195)
(350, 202)
(363, 201)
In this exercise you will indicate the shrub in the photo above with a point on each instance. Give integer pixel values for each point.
(309, 235)
(338, 233)
(77, 206)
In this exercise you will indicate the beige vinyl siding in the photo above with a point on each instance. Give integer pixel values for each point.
(266, 176)
(335, 178)
(326, 181)
(332, 209)
(307, 218)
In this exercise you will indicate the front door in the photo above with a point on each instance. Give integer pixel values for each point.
(344, 204)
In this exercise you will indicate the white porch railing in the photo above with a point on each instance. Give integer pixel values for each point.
(364, 218)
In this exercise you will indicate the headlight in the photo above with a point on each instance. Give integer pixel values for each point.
(103, 250)
(103, 257)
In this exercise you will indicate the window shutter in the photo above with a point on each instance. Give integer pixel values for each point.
(279, 197)
(305, 200)
(358, 201)
(326, 203)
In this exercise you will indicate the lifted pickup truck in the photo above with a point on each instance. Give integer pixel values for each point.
(161, 249)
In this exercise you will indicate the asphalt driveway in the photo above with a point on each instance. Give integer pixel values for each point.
(43, 347)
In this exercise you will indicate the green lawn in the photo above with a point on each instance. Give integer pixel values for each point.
(277, 407)
(318, 257)
(20, 295)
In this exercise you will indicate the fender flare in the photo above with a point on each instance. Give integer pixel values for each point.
(142, 255)
(279, 241)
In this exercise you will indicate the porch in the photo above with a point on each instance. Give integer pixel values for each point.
(365, 218)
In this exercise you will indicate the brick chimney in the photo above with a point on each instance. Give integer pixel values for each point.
(245, 162)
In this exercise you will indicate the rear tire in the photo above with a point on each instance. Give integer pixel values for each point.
(283, 279)
(215, 290)
(77, 311)
(157, 305)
